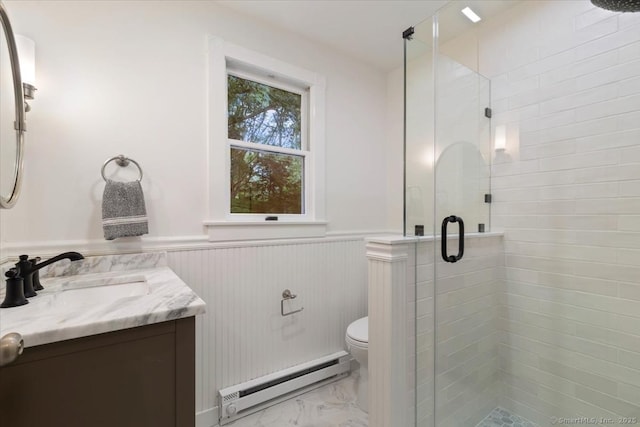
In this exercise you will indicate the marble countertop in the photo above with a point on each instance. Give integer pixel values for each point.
(98, 295)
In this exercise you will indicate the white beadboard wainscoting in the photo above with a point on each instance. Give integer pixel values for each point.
(243, 335)
(388, 391)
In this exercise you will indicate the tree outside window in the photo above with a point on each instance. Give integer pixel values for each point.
(265, 131)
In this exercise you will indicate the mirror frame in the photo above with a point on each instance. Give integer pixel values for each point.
(20, 122)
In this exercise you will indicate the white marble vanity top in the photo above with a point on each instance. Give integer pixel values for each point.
(102, 294)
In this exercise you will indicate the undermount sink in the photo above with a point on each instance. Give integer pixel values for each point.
(101, 291)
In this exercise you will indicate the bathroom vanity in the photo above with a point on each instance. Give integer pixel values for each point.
(111, 345)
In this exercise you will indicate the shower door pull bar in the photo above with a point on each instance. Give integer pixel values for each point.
(443, 236)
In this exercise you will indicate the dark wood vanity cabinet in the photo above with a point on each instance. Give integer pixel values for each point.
(139, 377)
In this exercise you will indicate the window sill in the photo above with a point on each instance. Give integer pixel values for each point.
(223, 231)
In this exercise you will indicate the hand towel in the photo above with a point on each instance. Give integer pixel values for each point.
(123, 210)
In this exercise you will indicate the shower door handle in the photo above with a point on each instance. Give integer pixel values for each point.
(443, 236)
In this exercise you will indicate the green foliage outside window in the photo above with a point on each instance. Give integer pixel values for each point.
(265, 182)
(263, 114)
(262, 181)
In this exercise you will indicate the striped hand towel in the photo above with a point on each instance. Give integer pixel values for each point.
(123, 210)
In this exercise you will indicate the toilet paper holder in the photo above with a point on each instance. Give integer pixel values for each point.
(287, 295)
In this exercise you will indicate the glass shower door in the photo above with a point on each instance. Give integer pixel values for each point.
(537, 323)
(448, 147)
(462, 145)
(447, 179)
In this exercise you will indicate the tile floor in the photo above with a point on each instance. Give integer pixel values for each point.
(500, 417)
(332, 405)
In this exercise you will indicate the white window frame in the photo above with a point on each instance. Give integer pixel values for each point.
(226, 58)
(303, 152)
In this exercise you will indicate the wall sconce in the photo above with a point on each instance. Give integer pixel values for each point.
(500, 138)
(27, 59)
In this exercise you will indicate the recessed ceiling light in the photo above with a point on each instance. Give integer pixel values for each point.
(473, 17)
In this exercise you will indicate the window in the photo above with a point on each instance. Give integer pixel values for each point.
(266, 147)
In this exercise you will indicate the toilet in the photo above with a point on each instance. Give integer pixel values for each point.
(357, 338)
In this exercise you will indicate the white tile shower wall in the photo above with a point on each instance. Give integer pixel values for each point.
(567, 194)
(242, 335)
(467, 334)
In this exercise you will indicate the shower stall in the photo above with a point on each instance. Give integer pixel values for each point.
(522, 187)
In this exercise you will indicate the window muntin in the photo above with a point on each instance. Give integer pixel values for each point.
(266, 130)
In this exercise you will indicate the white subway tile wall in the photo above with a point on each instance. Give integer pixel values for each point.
(468, 335)
(567, 195)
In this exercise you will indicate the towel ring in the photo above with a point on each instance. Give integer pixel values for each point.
(122, 161)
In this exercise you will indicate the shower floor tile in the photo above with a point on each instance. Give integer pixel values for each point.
(332, 405)
(500, 417)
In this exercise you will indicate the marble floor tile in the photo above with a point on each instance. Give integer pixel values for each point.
(500, 417)
(332, 405)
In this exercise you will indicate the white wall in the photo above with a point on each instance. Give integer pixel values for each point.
(394, 144)
(130, 77)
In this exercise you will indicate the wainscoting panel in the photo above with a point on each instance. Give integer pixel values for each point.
(243, 335)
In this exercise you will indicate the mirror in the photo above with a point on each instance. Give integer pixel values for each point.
(12, 116)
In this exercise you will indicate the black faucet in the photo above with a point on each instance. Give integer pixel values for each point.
(36, 275)
(28, 268)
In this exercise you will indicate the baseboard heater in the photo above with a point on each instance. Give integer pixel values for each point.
(251, 396)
